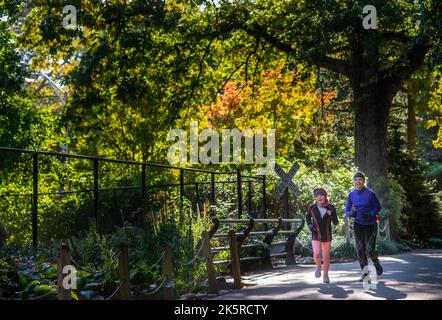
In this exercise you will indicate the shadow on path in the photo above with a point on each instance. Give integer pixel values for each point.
(382, 291)
(410, 275)
(335, 291)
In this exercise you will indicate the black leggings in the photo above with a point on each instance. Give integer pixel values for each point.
(365, 237)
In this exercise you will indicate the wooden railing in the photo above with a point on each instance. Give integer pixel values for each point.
(204, 249)
(236, 242)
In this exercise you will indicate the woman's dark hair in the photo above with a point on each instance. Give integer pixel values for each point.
(319, 191)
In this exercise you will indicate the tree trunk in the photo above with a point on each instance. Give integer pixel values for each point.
(371, 118)
(411, 117)
(373, 93)
(372, 106)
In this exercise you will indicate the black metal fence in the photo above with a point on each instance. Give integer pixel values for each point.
(236, 177)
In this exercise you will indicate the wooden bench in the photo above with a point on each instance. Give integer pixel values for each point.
(269, 236)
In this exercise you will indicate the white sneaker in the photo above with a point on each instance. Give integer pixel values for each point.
(318, 272)
(326, 279)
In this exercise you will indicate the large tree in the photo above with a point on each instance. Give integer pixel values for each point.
(331, 35)
(129, 71)
(157, 56)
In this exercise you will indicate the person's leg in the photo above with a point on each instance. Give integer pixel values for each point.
(360, 245)
(326, 256)
(316, 245)
(371, 235)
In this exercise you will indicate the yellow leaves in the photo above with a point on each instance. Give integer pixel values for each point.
(430, 123)
(259, 122)
(280, 98)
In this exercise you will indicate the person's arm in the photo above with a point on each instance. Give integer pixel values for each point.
(375, 203)
(348, 206)
(308, 219)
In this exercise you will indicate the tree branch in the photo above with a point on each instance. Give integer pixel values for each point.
(411, 60)
(333, 64)
(395, 36)
(258, 32)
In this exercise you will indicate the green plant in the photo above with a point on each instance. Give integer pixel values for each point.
(436, 242)
(341, 249)
(423, 215)
(385, 247)
(394, 203)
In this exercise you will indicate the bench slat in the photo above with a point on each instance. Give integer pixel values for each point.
(279, 243)
(277, 255)
(253, 233)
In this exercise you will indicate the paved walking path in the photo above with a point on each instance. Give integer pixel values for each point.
(411, 275)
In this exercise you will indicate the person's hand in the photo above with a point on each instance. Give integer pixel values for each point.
(370, 214)
(351, 214)
(311, 228)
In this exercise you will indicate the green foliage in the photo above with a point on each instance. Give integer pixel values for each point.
(394, 203)
(435, 170)
(22, 277)
(133, 70)
(423, 215)
(436, 242)
(341, 249)
(18, 119)
(386, 247)
(95, 257)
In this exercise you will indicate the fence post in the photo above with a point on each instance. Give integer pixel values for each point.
(96, 193)
(197, 195)
(123, 269)
(209, 262)
(35, 199)
(64, 259)
(249, 197)
(239, 192)
(264, 198)
(181, 188)
(234, 259)
(212, 194)
(168, 290)
(290, 257)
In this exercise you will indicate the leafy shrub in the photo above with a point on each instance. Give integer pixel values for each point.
(394, 203)
(385, 247)
(436, 242)
(341, 249)
(424, 211)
